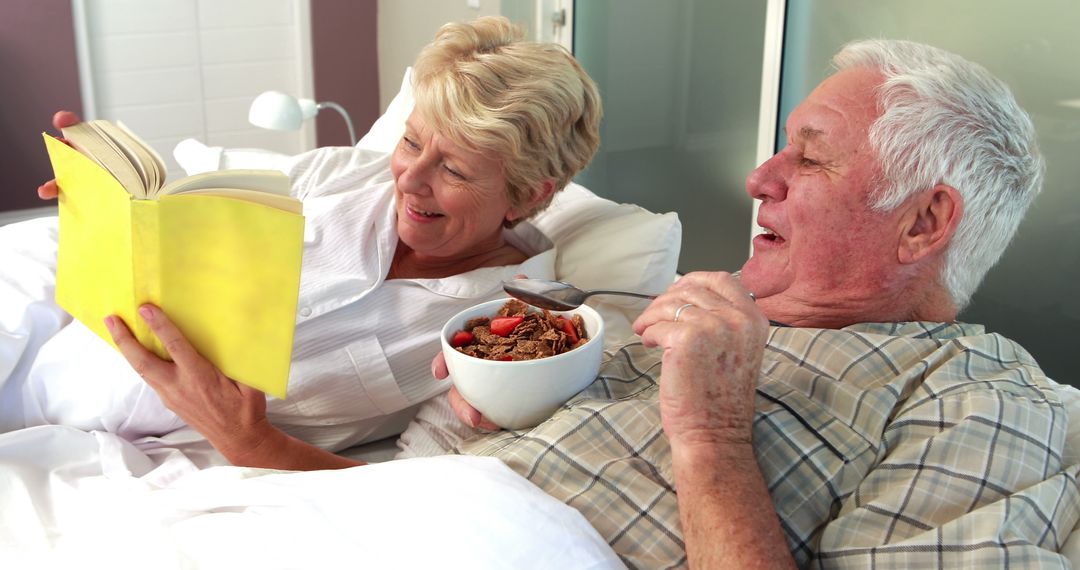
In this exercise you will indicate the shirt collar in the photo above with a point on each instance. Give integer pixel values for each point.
(913, 329)
(488, 280)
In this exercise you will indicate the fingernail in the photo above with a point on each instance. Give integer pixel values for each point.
(472, 420)
(433, 370)
(110, 323)
(146, 313)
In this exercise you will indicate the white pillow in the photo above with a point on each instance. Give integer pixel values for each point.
(388, 128)
(601, 244)
(195, 157)
(604, 245)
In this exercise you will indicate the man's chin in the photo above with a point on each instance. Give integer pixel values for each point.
(761, 280)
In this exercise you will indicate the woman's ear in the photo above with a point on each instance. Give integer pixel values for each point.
(930, 225)
(539, 196)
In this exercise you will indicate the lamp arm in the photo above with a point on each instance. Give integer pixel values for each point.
(345, 115)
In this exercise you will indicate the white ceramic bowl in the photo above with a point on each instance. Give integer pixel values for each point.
(520, 394)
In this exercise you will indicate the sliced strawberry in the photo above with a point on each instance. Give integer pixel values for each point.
(503, 326)
(505, 358)
(568, 328)
(461, 338)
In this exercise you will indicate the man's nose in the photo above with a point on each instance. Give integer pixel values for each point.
(768, 181)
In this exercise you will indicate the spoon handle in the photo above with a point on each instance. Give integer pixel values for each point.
(624, 293)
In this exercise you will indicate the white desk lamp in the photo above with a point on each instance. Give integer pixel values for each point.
(282, 112)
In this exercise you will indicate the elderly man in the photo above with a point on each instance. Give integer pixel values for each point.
(865, 427)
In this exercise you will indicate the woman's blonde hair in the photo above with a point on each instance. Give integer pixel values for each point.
(486, 89)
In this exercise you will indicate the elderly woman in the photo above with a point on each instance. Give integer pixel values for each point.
(395, 245)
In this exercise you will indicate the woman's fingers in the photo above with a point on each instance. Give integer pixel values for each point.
(175, 343)
(438, 367)
(465, 412)
(144, 362)
(48, 190)
(60, 120)
(63, 119)
(469, 415)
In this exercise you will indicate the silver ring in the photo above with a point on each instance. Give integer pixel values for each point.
(753, 297)
(680, 310)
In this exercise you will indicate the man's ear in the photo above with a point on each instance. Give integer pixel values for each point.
(539, 196)
(930, 224)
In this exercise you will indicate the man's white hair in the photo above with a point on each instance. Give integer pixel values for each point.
(946, 120)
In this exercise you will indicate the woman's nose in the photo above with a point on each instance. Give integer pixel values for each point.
(768, 181)
(416, 177)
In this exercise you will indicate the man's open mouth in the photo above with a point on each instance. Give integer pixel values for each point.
(770, 235)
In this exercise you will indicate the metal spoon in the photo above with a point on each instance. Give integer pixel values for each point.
(556, 295)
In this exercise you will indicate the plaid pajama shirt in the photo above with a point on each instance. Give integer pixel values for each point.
(882, 445)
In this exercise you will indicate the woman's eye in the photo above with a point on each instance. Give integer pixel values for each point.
(409, 143)
(454, 173)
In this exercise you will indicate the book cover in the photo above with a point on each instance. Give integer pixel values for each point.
(225, 269)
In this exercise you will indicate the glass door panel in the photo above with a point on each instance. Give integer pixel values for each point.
(681, 84)
(1030, 296)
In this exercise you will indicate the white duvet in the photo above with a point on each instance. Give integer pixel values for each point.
(85, 497)
(75, 499)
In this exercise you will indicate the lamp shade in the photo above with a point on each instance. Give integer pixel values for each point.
(280, 111)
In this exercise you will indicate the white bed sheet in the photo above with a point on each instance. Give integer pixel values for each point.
(76, 499)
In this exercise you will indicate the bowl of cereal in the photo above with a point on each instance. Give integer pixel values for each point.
(517, 364)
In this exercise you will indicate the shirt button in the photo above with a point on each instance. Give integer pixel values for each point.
(305, 312)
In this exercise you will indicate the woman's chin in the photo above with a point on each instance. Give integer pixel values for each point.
(425, 246)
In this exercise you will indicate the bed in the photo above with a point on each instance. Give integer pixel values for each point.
(72, 498)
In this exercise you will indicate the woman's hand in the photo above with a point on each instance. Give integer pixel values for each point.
(468, 415)
(230, 415)
(712, 357)
(61, 119)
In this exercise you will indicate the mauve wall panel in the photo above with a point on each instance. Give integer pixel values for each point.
(38, 75)
(343, 37)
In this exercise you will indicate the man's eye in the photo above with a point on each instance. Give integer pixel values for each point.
(808, 162)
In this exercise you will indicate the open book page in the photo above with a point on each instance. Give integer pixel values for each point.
(128, 150)
(286, 203)
(84, 138)
(159, 162)
(138, 151)
(268, 181)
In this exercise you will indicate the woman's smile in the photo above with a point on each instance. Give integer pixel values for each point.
(422, 216)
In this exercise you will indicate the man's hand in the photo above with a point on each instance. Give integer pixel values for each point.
(468, 415)
(712, 356)
(713, 336)
(232, 416)
(61, 119)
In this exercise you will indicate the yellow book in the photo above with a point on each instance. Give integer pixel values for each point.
(219, 252)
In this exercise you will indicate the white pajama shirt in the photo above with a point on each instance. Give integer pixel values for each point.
(363, 344)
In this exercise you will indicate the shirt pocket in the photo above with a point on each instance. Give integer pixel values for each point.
(346, 384)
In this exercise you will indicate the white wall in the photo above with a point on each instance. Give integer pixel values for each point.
(190, 68)
(406, 26)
